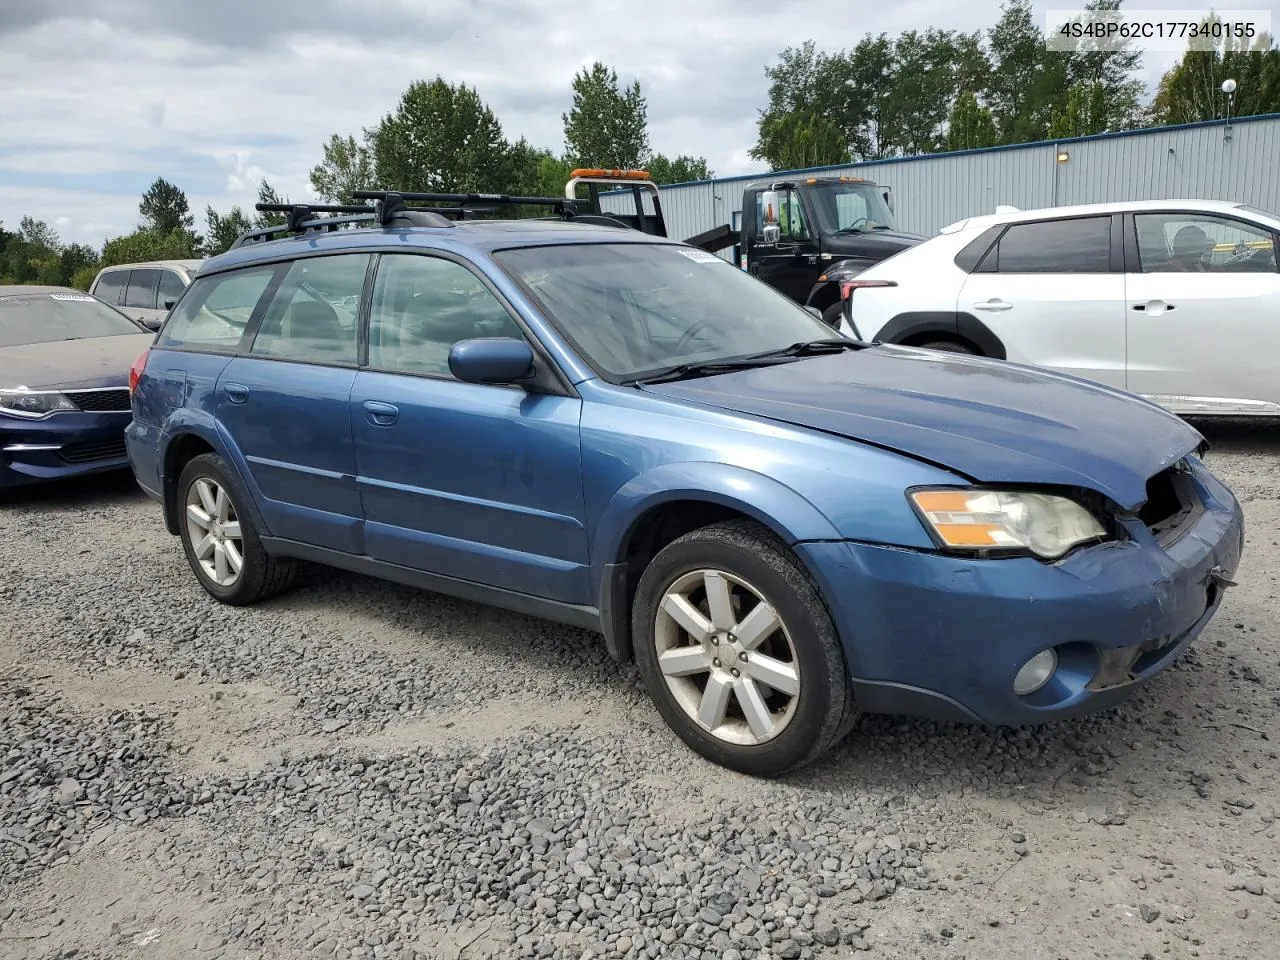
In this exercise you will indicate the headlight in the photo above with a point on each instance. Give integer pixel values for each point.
(1045, 524)
(32, 403)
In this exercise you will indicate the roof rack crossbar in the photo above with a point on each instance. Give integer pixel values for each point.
(488, 201)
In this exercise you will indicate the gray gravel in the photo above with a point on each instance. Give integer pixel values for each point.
(362, 770)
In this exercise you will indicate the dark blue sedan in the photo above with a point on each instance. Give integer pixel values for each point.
(64, 391)
(628, 434)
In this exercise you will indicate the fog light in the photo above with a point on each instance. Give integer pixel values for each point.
(1035, 673)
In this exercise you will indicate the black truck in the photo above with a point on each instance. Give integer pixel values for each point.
(806, 237)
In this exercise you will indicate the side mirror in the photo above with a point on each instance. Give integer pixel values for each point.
(152, 323)
(888, 199)
(495, 360)
(771, 236)
(168, 304)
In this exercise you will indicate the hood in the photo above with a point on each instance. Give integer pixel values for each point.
(874, 244)
(991, 421)
(92, 362)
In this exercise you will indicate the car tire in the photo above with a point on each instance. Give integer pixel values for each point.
(831, 315)
(211, 506)
(948, 346)
(811, 708)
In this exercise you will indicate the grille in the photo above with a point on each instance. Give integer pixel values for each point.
(95, 450)
(115, 400)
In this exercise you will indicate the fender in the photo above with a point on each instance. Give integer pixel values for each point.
(192, 421)
(779, 508)
(906, 326)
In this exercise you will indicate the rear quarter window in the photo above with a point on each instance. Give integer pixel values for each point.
(216, 311)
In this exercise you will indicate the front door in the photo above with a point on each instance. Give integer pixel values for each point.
(1203, 302)
(1053, 293)
(140, 297)
(788, 266)
(475, 482)
(286, 403)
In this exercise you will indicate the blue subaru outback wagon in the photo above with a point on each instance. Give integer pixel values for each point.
(607, 428)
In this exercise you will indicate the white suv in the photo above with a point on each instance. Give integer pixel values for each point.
(1175, 300)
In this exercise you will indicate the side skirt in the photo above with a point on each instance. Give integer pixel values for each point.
(585, 618)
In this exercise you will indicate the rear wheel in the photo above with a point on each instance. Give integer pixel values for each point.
(949, 346)
(738, 651)
(219, 538)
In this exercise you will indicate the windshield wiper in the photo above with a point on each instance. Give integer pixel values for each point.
(708, 367)
(803, 348)
(812, 348)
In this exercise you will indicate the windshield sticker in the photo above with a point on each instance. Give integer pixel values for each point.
(78, 297)
(700, 256)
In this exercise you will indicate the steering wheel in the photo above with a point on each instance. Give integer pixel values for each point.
(861, 221)
(698, 327)
(1239, 254)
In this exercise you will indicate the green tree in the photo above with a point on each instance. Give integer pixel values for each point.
(970, 126)
(1028, 81)
(1112, 71)
(74, 261)
(683, 169)
(37, 233)
(1192, 89)
(347, 166)
(221, 230)
(606, 126)
(927, 71)
(811, 113)
(793, 141)
(1084, 113)
(441, 138)
(268, 194)
(164, 208)
(147, 244)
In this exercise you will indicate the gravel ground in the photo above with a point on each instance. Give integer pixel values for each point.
(361, 770)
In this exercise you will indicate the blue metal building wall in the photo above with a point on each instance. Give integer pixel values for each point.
(1210, 161)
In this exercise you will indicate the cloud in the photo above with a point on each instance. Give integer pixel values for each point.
(99, 96)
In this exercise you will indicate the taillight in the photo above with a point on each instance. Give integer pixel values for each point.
(847, 288)
(135, 372)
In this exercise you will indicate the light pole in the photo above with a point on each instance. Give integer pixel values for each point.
(1229, 88)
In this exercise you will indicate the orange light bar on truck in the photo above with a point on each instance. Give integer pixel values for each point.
(610, 174)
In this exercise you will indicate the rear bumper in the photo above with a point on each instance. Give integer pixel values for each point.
(943, 636)
(61, 446)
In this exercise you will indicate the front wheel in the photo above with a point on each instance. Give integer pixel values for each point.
(738, 651)
(219, 538)
(948, 346)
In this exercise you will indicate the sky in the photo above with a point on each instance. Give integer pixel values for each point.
(99, 97)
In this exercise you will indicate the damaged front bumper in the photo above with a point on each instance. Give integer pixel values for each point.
(944, 636)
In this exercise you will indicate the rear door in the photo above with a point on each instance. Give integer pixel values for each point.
(1053, 292)
(1203, 298)
(285, 402)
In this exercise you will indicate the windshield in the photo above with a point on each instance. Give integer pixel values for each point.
(47, 317)
(850, 207)
(636, 309)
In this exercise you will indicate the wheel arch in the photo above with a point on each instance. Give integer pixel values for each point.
(661, 505)
(914, 328)
(188, 435)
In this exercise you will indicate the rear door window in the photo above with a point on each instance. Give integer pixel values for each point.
(1080, 245)
(314, 316)
(141, 291)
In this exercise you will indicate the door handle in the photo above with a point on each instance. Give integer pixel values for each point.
(1157, 306)
(236, 392)
(380, 414)
(993, 304)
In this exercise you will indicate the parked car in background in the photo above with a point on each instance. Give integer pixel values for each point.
(781, 527)
(1175, 300)
(64, 391)
(145, 291)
